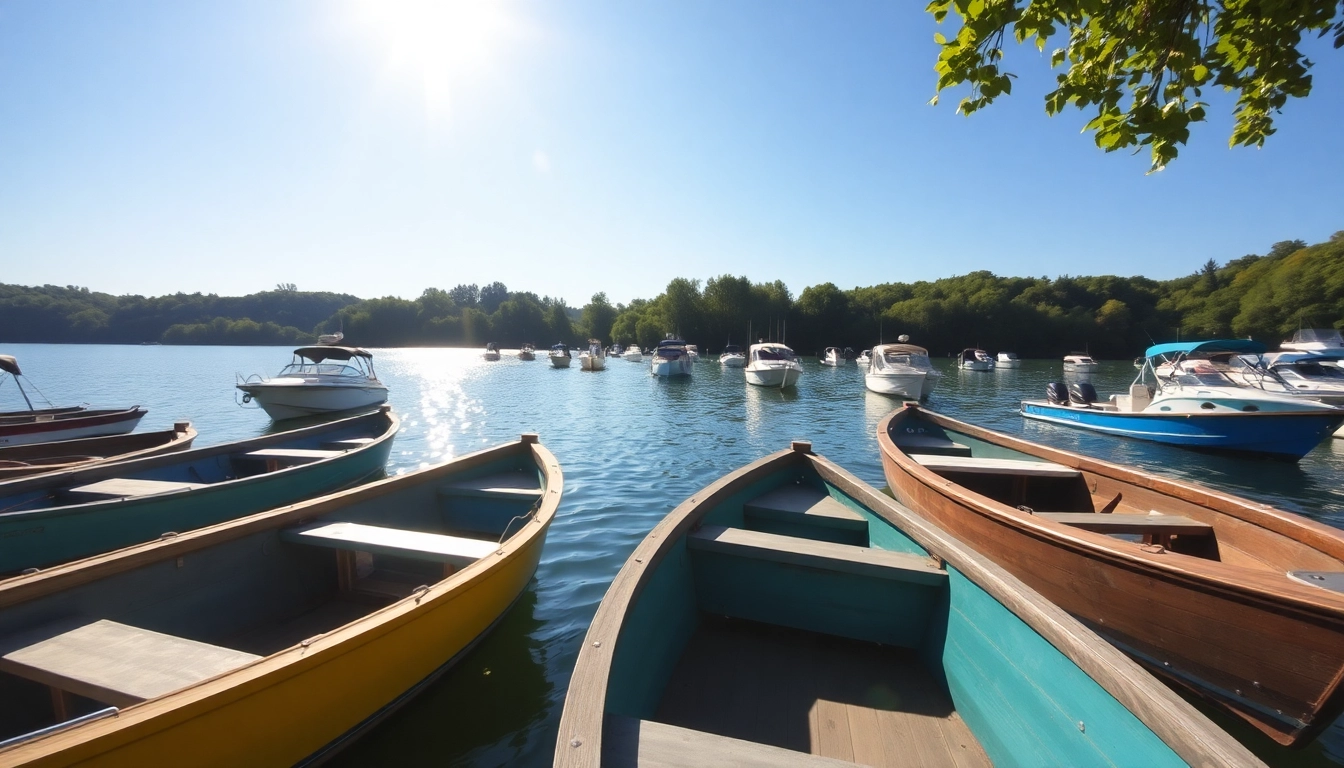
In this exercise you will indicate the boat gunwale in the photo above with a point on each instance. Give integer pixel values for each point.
(1074, 408)
(176, 707)
(105, 470)
(27, 425)
(177, 440)
(1178, 724)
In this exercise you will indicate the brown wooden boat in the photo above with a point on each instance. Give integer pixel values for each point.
(35, 458)
(1241, 602)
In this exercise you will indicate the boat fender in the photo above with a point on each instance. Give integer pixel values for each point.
(1082, 393)
(247, 398)
(1057, 393)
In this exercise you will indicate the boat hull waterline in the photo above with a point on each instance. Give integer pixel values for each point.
(1212, 607)
(283, 399)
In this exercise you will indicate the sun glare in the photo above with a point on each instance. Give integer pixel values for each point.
(442, 42)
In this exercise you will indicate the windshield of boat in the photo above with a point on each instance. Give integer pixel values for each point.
(322, 369)
(773, 353)
(894, 359)
(1311, 370)
(1318, 335)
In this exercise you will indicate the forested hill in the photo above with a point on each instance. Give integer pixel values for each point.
(1264, 297)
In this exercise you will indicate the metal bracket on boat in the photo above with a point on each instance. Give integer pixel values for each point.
(420, 592)
(167, 535)
(98, 715)
(1155, 549)
(1331, 580)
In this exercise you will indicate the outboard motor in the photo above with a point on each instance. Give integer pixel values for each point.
(1057, 393)
(1082, 393)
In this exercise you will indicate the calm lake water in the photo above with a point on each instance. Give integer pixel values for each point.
(632, 447)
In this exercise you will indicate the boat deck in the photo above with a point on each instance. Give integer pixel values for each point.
(818, 694)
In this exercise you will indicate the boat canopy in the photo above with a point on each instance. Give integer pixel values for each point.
(9, 365)
(671, 343)
(318, 354)
(491, 347)
(1316, 335)
(909, 349)
(1217, 346)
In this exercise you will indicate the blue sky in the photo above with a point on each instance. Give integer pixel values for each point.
(379, 148)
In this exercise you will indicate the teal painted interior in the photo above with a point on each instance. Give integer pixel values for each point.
(1024, 699)
(881, 534)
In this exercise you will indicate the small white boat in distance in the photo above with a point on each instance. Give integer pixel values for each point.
(670, 359)
(528, 352)
(1008, 360)
(693, 352)
(321, 379)
(1314, 340)
(491, 351)
(864, 358)
(832, 357)
(732, 357)
(893, 370)
(633, 354)
(773, 365)
(1079, 363)
(560, 356)
(976, 360)
(593, 358)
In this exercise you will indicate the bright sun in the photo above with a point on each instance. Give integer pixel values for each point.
(444, 42)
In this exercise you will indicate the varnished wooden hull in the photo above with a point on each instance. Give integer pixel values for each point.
(306, 700)
(1236, 630)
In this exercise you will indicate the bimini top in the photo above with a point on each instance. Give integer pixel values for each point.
(1217, 346)
(9, 365)
(909, 349)
(318, 354)
(671, 343)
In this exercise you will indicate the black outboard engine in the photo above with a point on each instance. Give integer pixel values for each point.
(1057, 393)
(1082, 393)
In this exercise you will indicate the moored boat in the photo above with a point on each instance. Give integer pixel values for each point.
(1314, 340)
(61, 516)
(789, 607)
(1238, 601)
(491, 352)
(975, 360)
(633, 354)
(1007, 360)
(669, 359)
(528, 352)
(732, 357)
(320, 379)
(832, 357)
(36, 458)
(864, 358)
(276, 638)
(1183, 396)
(1080, 363)
(905, 355)
(693, 353)
(560, 357)
(45, 425)
(594, 358)
(770, 364)
(893, 371)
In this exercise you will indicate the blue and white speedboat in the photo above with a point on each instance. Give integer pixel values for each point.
(1184, 396)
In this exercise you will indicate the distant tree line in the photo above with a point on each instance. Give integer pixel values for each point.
(1264, 297)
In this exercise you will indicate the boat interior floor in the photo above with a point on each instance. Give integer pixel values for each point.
(812, 693)
(335, 612)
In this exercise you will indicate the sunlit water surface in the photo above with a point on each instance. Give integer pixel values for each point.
(632, 447)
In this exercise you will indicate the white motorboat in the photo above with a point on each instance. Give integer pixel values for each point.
(633, 354)
(975, 360)
(491, 351)
(670, 359)
(1079, 363)
(832, 357)
(1314, 340)
(560, 357)
(594, 358)
(1311, 375)
(864, 358)
(772, 365)
(1007, 360)
(732, 357)
(320, 379)
(528, 352)
(57, 423)
(893, 370)
(693, 352)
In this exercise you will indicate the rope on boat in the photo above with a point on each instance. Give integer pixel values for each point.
(536, 505)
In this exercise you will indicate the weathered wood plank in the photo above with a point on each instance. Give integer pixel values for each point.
(844, 558)
(520, 485)
(1112, 523)
(292, 454)
(649, 744)
(993, 466)
(396, 542)
(122, 487)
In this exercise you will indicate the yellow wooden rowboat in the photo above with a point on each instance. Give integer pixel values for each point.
(275, 638)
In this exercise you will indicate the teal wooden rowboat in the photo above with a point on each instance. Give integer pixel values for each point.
(789, 614)
(62, 516)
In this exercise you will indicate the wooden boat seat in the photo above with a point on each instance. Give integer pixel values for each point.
(845, 558)
(292, 455)
(118, 664)
(1163, 525)
(647, 743)
(975, 465)
(347, 445)
(930, 444)
(798, 503)
(521, 486)
(124, 487)
(455, 551)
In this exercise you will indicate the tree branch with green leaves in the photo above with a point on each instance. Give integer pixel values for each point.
(1141, 67)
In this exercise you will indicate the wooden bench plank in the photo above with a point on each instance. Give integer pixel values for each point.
(796, 503)
(845, 558)
(119, 664)
(347, 445)
(1138, 524)
(122, 487)
(292, 454)
(930, 444)
(435, 547)
(519, 485)
(648, 744)
(994, 466)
